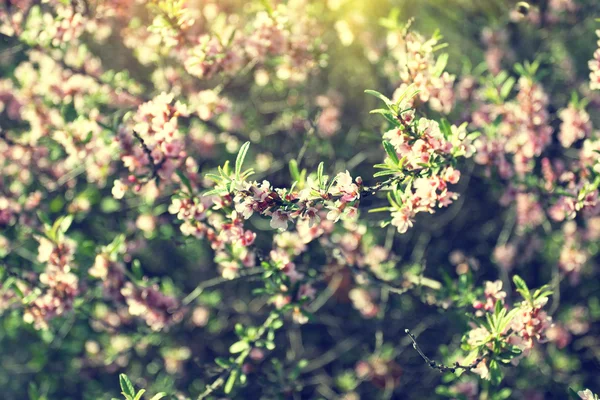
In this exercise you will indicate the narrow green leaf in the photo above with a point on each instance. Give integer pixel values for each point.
(520, 283)
(239, 161)
(214, 177)
(387, 115)
(404, 95)
(444, 391)
(382, 111)
(503, 394)
(33, 392)
(222, 362)
(185, 180)
(522, 287)
(44, 218)
(294, 172)
(507, 87)
(126, 387)
(498, 308)
(380, 209)
(35, 293)
(445, 128)
(65, 223)
(391, 152)
(320, 174)
(139, 394)
(231, 381)
(380, 96)
(573, 395)
(440, 64)
(158, 396)
(495, 373)
(383, 173)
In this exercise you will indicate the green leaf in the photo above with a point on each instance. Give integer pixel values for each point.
(520, 70)
(320, 174)
(136, 268)
(507, 87)
(231, 381)
(238, 347)
(440, 64)
(158, 396)
(445, 128)
(391, 152)
(239, 329)
(239, 161)
(294, 172)
(380, 96)
(522, 287)
(444, 391)
(573, 395)
(33, 392)
(35, 293)
(65, 223)
(44, 218)
(268, 7)
(383, 173)
(139, 394)
(126, 387)
(184, 179)
(495, 373)
(405, 94)
(498, 307)
(387, 114)
(503, 394)
(544, 291)
(222, 362)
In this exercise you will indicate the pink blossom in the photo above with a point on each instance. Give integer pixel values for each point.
(575, 125)
(279, 220)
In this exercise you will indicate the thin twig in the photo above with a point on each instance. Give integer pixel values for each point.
(155, 166)
(433, 364)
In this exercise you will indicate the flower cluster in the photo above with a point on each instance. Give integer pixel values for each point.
(231, 242)
(66, 27)
(416, 64)
(149, 303)
(59, 284)
(523, 131)
(208, 58)
(493, 293)
(269, 35)
(156, 147)
(424, 151)
(572, 256)
(507, 334)
(530, 324)
(575, 125)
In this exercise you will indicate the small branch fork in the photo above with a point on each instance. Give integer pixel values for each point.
(443, 368)
(156, 166)
(372, 190)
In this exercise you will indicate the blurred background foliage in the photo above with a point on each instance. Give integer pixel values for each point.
(80, 359)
